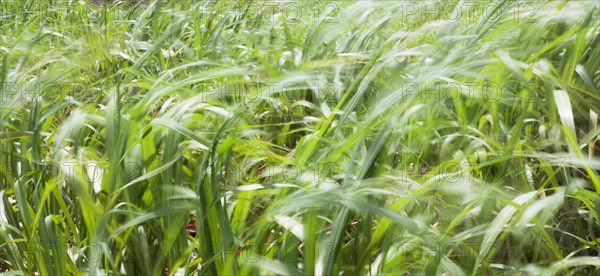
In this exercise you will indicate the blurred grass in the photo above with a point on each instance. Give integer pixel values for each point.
(265, 137)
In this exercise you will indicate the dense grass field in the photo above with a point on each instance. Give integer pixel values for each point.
(289, 138)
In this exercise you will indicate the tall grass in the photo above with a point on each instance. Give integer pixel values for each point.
(253, 137)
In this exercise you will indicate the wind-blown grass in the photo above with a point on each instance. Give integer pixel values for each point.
(367, 137)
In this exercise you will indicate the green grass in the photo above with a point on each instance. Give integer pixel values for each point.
(353, 138)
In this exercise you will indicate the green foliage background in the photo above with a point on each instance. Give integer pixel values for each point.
(257, 137)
